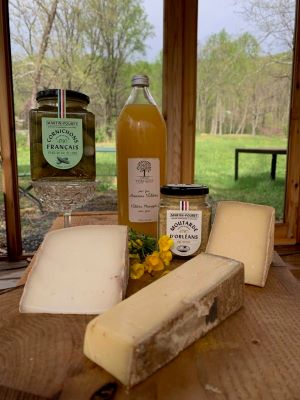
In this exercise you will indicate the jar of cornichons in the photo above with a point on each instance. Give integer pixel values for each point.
(62, 136)
(185, 215)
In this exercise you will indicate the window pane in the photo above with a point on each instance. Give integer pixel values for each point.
(244, 82)
(56, 45)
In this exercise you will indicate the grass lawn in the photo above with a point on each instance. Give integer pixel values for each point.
(214, 166)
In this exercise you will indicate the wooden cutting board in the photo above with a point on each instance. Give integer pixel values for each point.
(254, 354)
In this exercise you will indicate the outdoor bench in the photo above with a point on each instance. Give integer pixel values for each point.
(273, 152)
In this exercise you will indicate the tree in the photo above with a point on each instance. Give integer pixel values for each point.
(87, 51)
(116, 31)
(274, 19)
(241, 90)
(225, 67)
(31, 20)
(67, 45)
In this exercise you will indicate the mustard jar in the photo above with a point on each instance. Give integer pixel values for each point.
(185, 215)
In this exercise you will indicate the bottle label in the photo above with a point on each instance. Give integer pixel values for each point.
(62, 141)
(184, 227)
(143, 189)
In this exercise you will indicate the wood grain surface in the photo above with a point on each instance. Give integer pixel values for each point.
(8, 148)
(179, 86)
(254, 354)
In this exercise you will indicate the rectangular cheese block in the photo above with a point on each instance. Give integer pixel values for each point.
(244, 232)
(78, 270)
(148, 329)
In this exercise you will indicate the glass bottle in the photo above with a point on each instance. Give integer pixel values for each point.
(141, 144)
(185, 215)
(62, 147)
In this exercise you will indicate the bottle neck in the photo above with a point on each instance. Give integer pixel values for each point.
(140, 95)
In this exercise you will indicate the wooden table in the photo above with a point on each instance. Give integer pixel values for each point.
(254, 354)
(273, 152)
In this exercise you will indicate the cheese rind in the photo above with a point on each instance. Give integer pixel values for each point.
(244, 232)
(147, 330)
(78, 270)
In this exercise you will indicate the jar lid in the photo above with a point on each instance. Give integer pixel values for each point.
(184, 190)
(140, 80)
(69, 94)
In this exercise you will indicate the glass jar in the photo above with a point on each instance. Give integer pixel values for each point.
(185, 215)
(62, 137)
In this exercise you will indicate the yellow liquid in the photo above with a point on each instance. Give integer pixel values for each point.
(141, 133)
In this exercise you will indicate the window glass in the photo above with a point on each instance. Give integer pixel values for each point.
(56, 45)
(243, 99)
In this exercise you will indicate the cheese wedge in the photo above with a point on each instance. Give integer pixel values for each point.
(78, 270)
(244, 232)
(148, 329)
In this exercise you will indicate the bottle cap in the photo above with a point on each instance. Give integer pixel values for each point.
(184, 190)
(140, 80)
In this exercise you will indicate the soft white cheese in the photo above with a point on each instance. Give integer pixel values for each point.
(244, 232)
(148, 329)
(78, 270)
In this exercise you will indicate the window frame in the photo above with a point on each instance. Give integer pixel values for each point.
(8, 143)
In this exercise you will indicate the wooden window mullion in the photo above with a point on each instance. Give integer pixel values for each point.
(179, 86)
(8, 142)
(288, 232)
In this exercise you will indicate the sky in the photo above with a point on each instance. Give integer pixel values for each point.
(214, 15)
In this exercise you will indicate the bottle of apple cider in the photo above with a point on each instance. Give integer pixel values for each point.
(141, 144)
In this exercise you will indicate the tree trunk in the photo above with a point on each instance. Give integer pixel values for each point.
(215, 118)
(213, 127)
(231, 123)
(201, 115)
(42, 51)
(241, 126)
(220, 116)
(254, 123)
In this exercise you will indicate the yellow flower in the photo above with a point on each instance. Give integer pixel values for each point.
(137, 270)
(141, 258)
(166, 257)
(165, 243)
(153, 262)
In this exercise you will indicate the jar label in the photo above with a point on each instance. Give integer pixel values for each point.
(143, 189)
(62, 141)
(184, 227)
